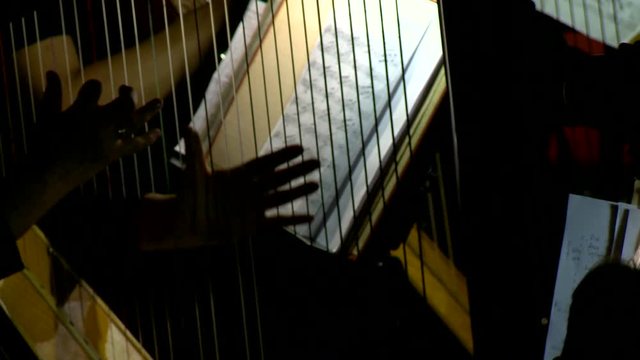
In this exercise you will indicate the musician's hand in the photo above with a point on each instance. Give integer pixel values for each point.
(228, 205)
(68, 147)
(86, 137)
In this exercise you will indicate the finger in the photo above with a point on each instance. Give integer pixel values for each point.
(88, 95)
(273, 160)
(126, 91)
(146, 113)
(282, 197)
(194, 154)
(119, 112)
(131, 146)
(52, 98)
(281, 221)
(281, 177)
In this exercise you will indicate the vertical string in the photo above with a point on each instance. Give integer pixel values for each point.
(250, 239)
(264, 80)
(389, 99)
(587, 26)
(409, 136)
(18, 87)
(601, 18)
(297, 102)
(169, 335)
(315, 124)
(217, 74)
(373, 96)
(171, 75)
(142, 97)
(236, 245)
(126, 81)
(201, 60)
(161, 113)
(344, 118)
(186, 62)
(29, 79)
(279, 75)
(615, 21)
(66, 54)
(5, 84)
(79, 40)
(213, 317)
(80, 60)
(445, 212)
(250, 86)
(39, 48)
(362, 136)
(327, 103)
(154, 333)
(197, 313)
(113, 95)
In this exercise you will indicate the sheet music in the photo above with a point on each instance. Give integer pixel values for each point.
(591, 227)
(609, 21)
(316, 118)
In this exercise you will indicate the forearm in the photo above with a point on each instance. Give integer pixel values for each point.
(150, 68)
(29, 193)
(159, 62)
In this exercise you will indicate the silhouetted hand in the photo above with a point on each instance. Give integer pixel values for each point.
(226, 205)
(86, 137)
(70, 146)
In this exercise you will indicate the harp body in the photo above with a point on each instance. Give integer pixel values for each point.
(355, 82)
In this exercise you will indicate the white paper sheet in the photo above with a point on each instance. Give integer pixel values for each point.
(591, 228)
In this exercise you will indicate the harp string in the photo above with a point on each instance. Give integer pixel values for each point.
(236, 246)
(171, 76)
(315, 124)
(344, 118)
(360, 120)
(113, 96)
(201, 58)
(18, 88)
(616, 21)
(80, 61)
(126, 82)
(330, 127)
(29, 80)
(39, 49)
(255, 144)
(373, 95)
(161, 113)
(71, 97)
(65, 50)
(216, 57)
(212, 308)
(389, 98)
(279, 75)
(250, 92)
(410, 141)
(152, 318)
(142, 98)
(297, 103)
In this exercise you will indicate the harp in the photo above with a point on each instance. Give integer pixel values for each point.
(356, 82)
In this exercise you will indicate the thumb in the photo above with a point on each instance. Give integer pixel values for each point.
(194, 155)
(51, 102)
